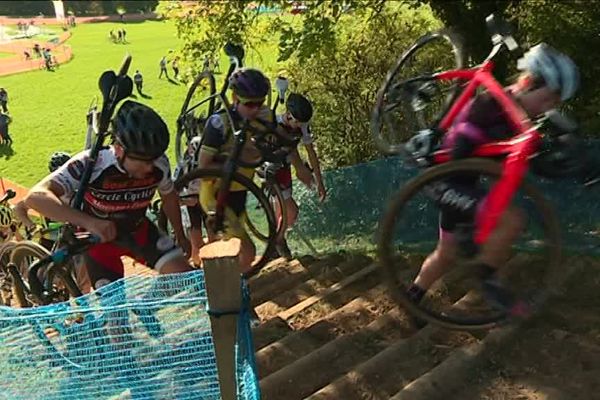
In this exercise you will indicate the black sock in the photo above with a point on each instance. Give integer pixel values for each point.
(415, 293)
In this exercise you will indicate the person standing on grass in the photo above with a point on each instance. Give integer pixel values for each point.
(206, 65)
(5, 120)
(4, 100)
(163, 67)
(138, 79)
(175, 66)
(123, 34)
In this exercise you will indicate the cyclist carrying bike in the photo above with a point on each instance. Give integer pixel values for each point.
(549, 77)
(124, 179)
(249, 88)
(296, 120)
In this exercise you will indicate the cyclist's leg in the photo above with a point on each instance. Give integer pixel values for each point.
(496, 250)
(156, 250)
(284, 179)
(103, 264)
(235, 215)
(196, 239)
(439, 261)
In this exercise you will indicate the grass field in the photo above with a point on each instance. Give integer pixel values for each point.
(48, 108)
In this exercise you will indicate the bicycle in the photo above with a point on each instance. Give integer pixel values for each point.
(428, 103)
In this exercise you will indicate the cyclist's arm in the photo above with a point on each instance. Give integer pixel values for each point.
(20, 211)
(171, 206)
(45, 198)
(51, 197)
(313, 160)
(302, 172)
(170, 201)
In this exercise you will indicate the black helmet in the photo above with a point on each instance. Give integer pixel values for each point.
(300, 107)
(234, 50)
(57, 159)
(249, 83)
(140, 130)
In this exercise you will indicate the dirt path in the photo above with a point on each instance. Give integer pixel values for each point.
(556, 357)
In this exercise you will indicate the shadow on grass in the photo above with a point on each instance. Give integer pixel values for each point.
(6, 151)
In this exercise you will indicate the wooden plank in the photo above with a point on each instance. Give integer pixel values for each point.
(223, 288)
(332, 289)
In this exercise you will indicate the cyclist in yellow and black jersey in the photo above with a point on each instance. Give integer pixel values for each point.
(249, 89)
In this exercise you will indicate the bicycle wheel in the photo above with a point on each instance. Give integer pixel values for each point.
(272, 192)
(6, 286)
(409, 231)
(63, 282)
(195, 109)
(403, 108)
(259, 212)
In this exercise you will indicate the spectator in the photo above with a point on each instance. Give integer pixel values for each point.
(27, 55)
(5, 120)
(123, 35)
(138, 79)
(163, 67)
(175, 66)
(37, 50)
(119, 36)
(4, 100)
(48, 59)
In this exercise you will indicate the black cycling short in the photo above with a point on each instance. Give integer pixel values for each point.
(458, 204)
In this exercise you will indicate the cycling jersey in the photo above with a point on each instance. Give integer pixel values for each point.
(218, 140)
(303, 131)
(483, 120)
(111, 193)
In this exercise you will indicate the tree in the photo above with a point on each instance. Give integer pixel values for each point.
(322, 42)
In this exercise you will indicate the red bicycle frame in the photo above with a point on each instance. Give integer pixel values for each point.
(516, 150)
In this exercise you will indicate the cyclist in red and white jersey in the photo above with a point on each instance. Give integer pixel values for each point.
(296, 120)
(549, 77)
(124, 179)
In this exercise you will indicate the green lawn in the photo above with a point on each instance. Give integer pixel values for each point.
(48, 108)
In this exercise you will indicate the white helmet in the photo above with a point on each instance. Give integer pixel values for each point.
(558, 71)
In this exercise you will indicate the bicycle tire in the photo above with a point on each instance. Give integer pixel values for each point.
(7, 294)
(387, 225)
(217, 174)
(272, 191)
(378, 114)
(181, 128)
(26, 249)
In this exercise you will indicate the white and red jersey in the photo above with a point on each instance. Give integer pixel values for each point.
(112, 193)
(303, 131)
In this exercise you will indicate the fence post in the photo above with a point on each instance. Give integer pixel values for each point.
(223, 288)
